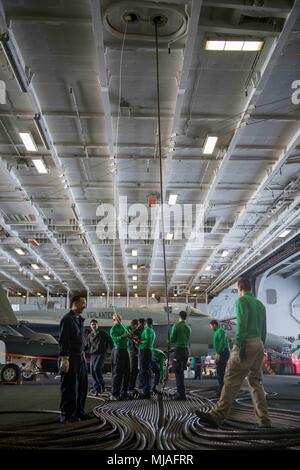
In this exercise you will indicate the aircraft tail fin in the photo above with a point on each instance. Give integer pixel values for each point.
(7, 316)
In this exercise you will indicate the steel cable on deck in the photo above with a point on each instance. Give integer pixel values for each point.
(162, 424)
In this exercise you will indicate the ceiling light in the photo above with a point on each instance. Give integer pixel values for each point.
(253, 46)
(134, 252)
(153, 296)
(28, 141)
(134, 267)
(234, 45)
(284, 233)
(208, 268)
(20, 251)
(38, 293)
(136, 295)
(118, 294)
(40, 166)
(214, 45)
(35, 266)
(209, 145)
(197, 287)
(46, 277)
(134, 287)
(19, 293)
(103, 293)
(194, 295)
(175, 295)
(169, 236)
(225, 253)
(134, 278)
(173, 199)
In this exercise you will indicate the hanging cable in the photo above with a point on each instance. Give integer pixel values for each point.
(115, 167)
(161, 186)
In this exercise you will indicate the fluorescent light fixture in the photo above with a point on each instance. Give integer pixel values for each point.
(234, 45)
(118, 294)
(35, 266)
(46, 277)
(40, 166)
(20, 251)
(197, 287)
(209, 145)
(173, 199)
(225, 253)
(284, 233)
(169, 236)
(28, 141)
(214, 45)
(134, 267)
(134, 287)
(134, 278)
(134, 252)
(208, 268)
(253, 46)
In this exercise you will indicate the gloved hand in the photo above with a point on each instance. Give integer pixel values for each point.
(64, 364)
(217, 357)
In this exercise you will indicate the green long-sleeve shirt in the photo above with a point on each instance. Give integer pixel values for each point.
(147, 338)
(250, 319)
(160, 358)
(220, 340)
(118, 335)
(180, 334)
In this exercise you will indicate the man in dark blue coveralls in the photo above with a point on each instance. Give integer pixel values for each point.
(74, 378)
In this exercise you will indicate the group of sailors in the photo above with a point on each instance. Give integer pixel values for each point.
(134, 359)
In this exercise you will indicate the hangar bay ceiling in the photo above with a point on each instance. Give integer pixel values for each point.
(80, 79)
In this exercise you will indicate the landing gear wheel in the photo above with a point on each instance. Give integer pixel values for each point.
(27, 375)
(10, 373)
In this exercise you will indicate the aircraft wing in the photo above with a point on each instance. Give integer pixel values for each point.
(7, 316)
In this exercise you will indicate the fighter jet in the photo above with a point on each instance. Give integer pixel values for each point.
(23, 352)
(201, 337)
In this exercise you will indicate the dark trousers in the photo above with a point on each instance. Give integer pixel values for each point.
(74, 387)
(198, 370)
(156, 371)
(96, 364)
(134, 368)
(145, 370)
(120, 372)
(221, 366)
(180, 358)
